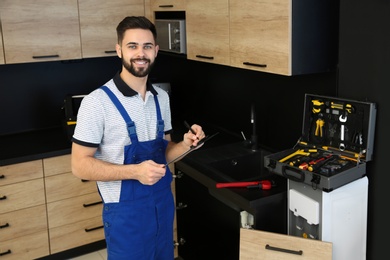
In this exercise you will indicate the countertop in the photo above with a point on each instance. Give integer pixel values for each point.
(34, 145)
(196, 165)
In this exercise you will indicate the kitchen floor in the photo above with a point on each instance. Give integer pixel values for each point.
(98, 255)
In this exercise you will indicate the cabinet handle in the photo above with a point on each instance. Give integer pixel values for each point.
(46, 56)
(205, 57)
(255, 64)
(182, 241)
(3, 198)
(108, 52)
(6, 252)
(92, 204)
(92, 229)
(84, 180)
(2, 176)
(181, 205)
(178, 175)
(4, 226)
(300, 252)
(165, 6)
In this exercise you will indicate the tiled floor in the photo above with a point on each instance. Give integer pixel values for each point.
(98, 255)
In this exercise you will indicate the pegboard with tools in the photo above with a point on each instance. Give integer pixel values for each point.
(336, 142)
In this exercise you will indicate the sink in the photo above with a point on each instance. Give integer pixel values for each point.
(244, 167)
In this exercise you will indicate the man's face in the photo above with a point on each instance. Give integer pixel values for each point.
(138, 52)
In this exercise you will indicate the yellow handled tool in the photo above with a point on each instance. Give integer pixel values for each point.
(304, 152)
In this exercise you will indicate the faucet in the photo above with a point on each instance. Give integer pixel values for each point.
(253, 141)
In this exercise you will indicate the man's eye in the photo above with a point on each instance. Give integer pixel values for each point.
(132, 46)
(148, 47)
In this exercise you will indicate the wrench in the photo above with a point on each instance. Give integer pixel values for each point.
(343, 119)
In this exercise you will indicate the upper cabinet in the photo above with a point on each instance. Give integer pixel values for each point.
(98, 22)
(207, 28)
(283, 36)
(40, 30)
(168, 5)
(1, 47)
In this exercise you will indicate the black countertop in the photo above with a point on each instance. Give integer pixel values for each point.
(34, 145)
(196, 165)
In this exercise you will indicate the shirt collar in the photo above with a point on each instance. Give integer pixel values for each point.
(126, 90)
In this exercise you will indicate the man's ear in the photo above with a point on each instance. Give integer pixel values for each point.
(118, 50)
(157, 49)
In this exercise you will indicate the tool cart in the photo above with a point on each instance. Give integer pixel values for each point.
(326, 173)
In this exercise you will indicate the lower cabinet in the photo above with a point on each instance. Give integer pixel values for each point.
(23, 219)
(45, 209)
(256, 245)
(74, 207)
(208, 224)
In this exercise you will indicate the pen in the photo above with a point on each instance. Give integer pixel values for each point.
(189, 127)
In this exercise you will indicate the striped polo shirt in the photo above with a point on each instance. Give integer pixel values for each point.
(100, 125)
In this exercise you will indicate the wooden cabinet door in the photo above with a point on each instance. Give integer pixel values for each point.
(1, 48)
(168, 5)
(260, 35)
(207, 27)
(40, 30)
(98, 22)
(258, 245)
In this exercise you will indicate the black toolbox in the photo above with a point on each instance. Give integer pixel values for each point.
(336, 143)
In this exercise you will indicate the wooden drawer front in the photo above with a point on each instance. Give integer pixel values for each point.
(22, 222)
(57, 165)
(255, 245)
(76, 234)
(27, 247)
(21, 195)
(66, 185)
(73, 210)
(19, 172)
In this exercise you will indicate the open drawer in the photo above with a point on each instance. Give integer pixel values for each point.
(256, 245)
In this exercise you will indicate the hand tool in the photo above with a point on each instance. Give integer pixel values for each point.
(263, 185)
(346, 153)
(320, 124)
(317, 106)
(347, 107)
(320, 162)
(305, 152)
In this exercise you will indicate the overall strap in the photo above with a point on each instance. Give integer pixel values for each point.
(129, 123)
(160, 121)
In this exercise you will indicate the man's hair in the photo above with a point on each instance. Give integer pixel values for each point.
(135, 22)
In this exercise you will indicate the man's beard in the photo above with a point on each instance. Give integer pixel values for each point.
(140, 72)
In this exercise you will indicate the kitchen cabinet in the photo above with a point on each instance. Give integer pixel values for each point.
(207, 27)
(208, 222)
(256, 245)
(74, 207)
(40, 30)
(283, 36)
(168, 5)
(98, 20)
(1, 48)
(22, 200)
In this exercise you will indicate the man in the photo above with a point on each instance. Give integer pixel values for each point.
(122, 140)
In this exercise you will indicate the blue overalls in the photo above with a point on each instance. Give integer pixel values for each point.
(140, 226)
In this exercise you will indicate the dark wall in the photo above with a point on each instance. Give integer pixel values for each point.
(32, 94)
(364, 61)
(222, 95)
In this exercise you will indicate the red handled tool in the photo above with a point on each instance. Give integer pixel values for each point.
(263, 185)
